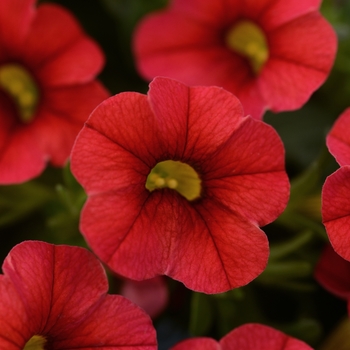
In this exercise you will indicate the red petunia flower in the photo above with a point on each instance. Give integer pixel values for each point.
(55, 297)
(336, 189)
(333, 273)
(247, 337)
(47, 86)
(270, 54)
(178, 183)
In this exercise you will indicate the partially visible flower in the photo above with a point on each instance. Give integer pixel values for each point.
(333, 273)
(47, 87)
(270, 54)
(336, 189)
(247, 337)
(151, 295)
(55, 297)
(178, 182)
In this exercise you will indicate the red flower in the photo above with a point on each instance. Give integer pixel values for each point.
(178, 183)
(270, 54)
(47, 87)
(336, 189)
(247, 337)
(333, 273)
(56, 298)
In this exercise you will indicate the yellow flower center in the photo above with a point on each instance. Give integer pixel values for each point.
(248, 40)
(36, 342)
(175, 175)
(19, 84)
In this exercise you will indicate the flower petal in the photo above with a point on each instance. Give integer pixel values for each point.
(79, 63)
(257, 336)
(338, 140)
(16, 327)
(164, 234)
(280, 12)
(190, 118)
(151, 295)
(21, 157)
(15, 19)
(294, 72)
(199, 343)
(115, 324)
(336, 210)
(333, 273)
(48, 277)
(248, 174)
(51, 22)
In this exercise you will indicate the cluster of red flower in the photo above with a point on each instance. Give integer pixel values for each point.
(178, 181)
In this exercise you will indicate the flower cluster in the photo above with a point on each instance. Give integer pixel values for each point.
(175, 182)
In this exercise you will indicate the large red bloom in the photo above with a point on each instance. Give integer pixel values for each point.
(247, 337)
(56, 297)
(47, 87)
(178, 183)
(270, 54)
(336, 189)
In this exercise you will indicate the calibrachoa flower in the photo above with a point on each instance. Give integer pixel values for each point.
(270, 54)
(336, 189)
(333, 273)
(55, 297)
(47, 87)
(178, 183)
(247, 337)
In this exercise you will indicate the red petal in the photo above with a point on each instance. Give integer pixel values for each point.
(333, 273)
(336, 210)
(53, 31)
(338, 140)
(151, 295)
(256, 336)
(15, 326)
(60, 120)
(77, 64)
(198, 344)
(21, 158)
(114, 168)
(280, 12)
(209, 13)
(196, 121)
(247, 173)
(115, 324)
(171, 31)
(15, 20)
(164, 234)
(294, 71)
(48, 278)
(127, 120)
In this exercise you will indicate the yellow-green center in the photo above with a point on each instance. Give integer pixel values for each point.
(247, 39)
(19, 84)
(36, 342)
(175, 175)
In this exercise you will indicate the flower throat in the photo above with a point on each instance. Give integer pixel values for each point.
(36, 342)
(177, 176)
(248, 40)
(18, 83)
